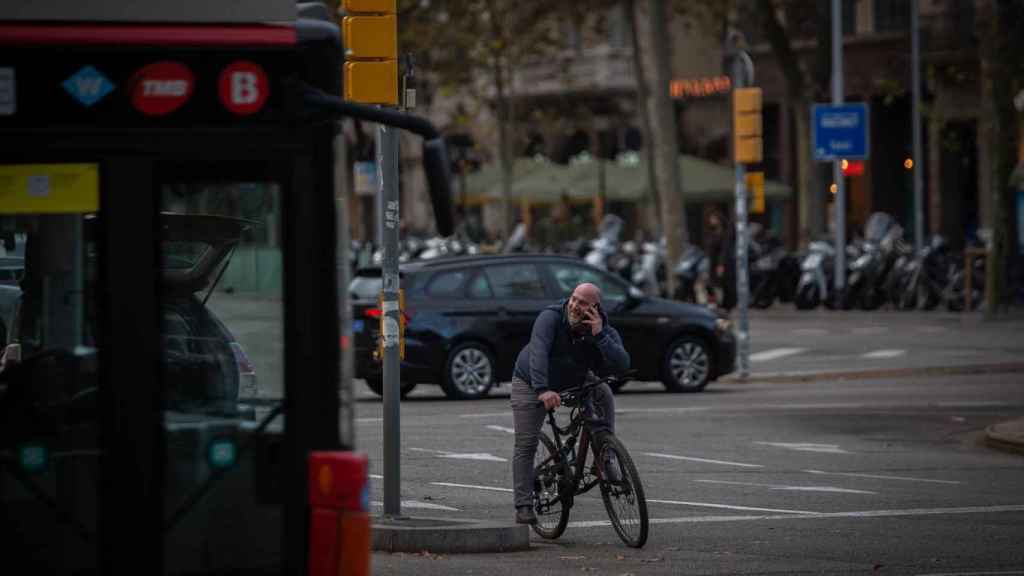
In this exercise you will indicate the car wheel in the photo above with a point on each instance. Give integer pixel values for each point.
(469, 372)
(377, 386)
(687, 365)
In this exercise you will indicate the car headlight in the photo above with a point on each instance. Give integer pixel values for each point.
(723, 326)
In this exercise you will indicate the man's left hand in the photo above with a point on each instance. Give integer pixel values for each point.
(594, 321)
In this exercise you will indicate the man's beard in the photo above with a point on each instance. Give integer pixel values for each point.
(576, 321)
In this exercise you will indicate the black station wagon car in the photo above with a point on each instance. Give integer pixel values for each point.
(468, 318)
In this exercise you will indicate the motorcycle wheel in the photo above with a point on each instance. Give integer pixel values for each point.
(807, 297)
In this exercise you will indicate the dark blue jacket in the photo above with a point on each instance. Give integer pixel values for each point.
(556, 359)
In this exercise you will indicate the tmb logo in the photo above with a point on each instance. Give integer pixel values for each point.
(161, 88)
(243, 87)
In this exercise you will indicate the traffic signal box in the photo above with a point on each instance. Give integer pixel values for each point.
(370, 33)
(755, 186)
(746, 125)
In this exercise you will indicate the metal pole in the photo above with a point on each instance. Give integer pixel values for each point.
(915, 49)
(387, 160)
(837, 165)
(743, 73)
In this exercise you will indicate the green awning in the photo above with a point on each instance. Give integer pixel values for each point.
(545, 182)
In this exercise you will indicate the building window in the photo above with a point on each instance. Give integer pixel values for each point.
(849, 17)
(892, 15)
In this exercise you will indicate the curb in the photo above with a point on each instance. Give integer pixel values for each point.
(1007, 436)
(966, 370)
(447, 536)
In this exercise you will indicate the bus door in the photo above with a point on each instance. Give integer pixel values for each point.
(170, 324)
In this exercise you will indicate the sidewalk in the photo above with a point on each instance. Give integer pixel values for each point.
(789, 345)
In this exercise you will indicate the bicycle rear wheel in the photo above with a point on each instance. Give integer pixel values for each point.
(551, 474)
(624, 500)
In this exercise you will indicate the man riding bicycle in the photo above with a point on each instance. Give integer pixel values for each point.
(569, 340)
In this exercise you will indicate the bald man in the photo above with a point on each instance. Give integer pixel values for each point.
(569, 340)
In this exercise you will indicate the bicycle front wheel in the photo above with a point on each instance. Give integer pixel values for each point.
(550, 490)
(624, 496)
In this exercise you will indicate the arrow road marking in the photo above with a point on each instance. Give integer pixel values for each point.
(453, 485)
(775, 354)
(463, 455)
(423, 505)
(727, 507)
(807, 447)
(882, 477)
(884, 354)
(692, 459)
(790, 488)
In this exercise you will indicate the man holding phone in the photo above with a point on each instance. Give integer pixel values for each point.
(569, 340)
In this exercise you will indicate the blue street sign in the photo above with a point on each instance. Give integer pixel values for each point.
(839, 132)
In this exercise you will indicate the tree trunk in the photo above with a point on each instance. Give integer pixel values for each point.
(504, 149)
(651, 210)
(656, 58)
(811, 209)
(999, 88)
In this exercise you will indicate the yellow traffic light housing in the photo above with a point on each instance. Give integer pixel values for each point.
(746, 126)
(755, 189)
(370, 31)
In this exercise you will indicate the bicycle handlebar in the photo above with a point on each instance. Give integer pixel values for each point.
(573, 396)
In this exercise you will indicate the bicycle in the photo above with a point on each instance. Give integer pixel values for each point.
(561, 473)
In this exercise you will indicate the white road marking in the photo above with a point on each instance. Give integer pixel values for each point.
(807, 447)
(489, 488)
(1010, 573)
(376, 477)
(884, 354)
(674, 410)
(862, 514)
(883, 477)
(488, 415)
(421, 505)
(728, 507)
(368, 420)
(501, 429)
(462, 455)
(811, 331)
(775, 354)
(790, 488)
(692, 459)
(868, 330)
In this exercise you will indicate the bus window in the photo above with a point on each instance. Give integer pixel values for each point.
(222, 368)
(49, 433)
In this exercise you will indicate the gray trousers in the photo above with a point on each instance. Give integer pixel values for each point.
(528, 415)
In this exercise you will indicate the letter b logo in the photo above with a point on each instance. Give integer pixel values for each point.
(243, 87)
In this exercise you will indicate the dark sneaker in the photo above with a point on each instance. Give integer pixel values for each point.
(525, 515)
(612, 472)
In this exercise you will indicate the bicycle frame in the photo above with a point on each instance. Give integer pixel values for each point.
(576, 436)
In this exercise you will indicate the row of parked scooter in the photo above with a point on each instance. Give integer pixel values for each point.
(882, 268)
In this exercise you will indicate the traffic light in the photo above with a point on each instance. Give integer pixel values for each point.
(746, 125)
(755, 189)
(370, 31)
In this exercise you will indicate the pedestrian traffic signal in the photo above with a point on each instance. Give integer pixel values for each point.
(370, 31)
(746, 125)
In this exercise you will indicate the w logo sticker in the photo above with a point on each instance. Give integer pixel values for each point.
(88, 86)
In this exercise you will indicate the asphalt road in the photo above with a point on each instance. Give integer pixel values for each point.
(851, 477)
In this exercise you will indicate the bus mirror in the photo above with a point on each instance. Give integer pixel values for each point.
(438, 171)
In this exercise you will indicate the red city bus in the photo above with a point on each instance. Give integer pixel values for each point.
(172, 395)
